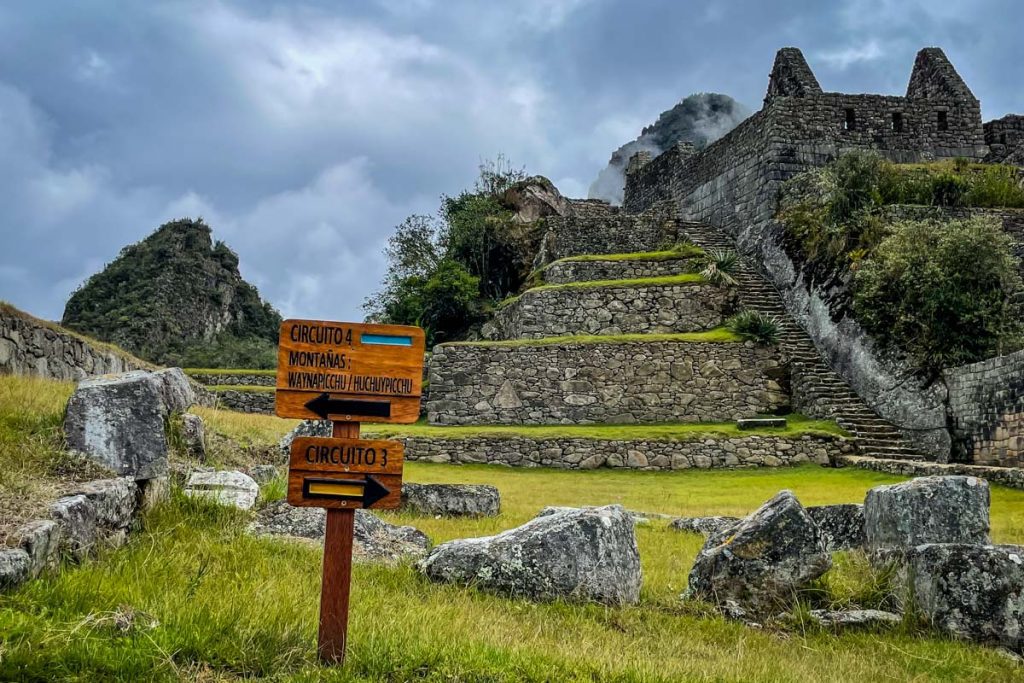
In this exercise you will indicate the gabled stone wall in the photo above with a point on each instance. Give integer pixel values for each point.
(614, 382)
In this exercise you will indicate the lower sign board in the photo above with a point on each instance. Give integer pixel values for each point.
(345, 473)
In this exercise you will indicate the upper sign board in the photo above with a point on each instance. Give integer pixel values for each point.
(352, 372)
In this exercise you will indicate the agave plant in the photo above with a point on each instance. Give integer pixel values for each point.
(722, 264)
(755, 326)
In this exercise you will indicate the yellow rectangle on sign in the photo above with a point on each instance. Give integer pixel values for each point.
(325, 489)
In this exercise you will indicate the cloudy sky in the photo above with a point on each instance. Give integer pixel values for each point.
(303, 131)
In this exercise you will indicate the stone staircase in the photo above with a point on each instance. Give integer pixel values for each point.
(817, 389)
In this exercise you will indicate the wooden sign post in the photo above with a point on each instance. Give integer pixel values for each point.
(347, 373)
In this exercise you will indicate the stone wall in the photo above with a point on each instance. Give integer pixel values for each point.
(568, 271)
(1004, 136)
(603, 310)
(596, 227)
(246, 401)
(624, 382)
(31, 347)
(234, 379)
(986, 407)
(570, 453)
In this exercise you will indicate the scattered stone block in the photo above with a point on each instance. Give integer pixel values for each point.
(972, 592)
(193, 433)
(745, 423)
(637, 517)
(41, 540)
(304, 428)
(951, 509)
(153, 492)
(451, 500)
(841, 526)
(586, 555)
(856, 618)
(702, 525)
(261, 474)
(76, 516)
(15, 568)
(114, 501)
(229, 488)
(763, 560)
(375, 539)
(118, 421)
(175, 390)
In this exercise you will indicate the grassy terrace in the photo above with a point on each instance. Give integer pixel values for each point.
(663, 281)
(716, 336)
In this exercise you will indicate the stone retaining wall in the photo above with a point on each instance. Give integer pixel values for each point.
(604, 310)
(247, 401)
(234, 379)
(1011, 477)
(986, 408)
(30, 347)
(564, 272)
(620, 382)
(596, 227)
(570, 453)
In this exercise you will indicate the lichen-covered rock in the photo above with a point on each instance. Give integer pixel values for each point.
(41, 540)
(451, 500)
(841, 526)
(175, 390)
(864, 618)
(76, 516)
(761, 561)
(229, 488)
(261, 474)
(193, 433)
(118, 421)
(375, 539)
(952, 509)
(702, 525)
(114, 501)
(15, 566)
(304, 428)
(637, 516)
(577, 555)
(972, 592)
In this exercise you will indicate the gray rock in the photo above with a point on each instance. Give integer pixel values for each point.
(261, 474)
(451, 500)
(76, 516)
(15, 567)
(118, 421)
(115, 501)
(41, 540)
(193, 433)
(375, 539)
(762, 560)
(153, 492)
(304, 428)
(841, 526)
(972, 592)
(867, 618)
(576, 555)
(230, 488)
(702, 525)
(637, 517)
(951, 509)
(175, 390)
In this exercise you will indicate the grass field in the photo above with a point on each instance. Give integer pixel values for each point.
(192, 597)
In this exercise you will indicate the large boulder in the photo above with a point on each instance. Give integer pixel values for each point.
(304, 428)
(950, 509)
(375, 539)
(118, 421)
(451, 500)
(534, 198)
(756, 566)
(15, 568)
(972, 592)
(175, 390)
(580, 555)
(230, 488)
(841, 526)
(76, 516)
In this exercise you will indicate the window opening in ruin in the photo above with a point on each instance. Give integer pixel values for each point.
(1002, 138)
(943, 121)
(851, 119)
(897, 122)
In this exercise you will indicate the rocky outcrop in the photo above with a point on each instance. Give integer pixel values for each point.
(535, 198)
(899, 517)
(587, 555)
(233, 489)
(756, 567)
(451, 500)
(972, 592)
(841, 526)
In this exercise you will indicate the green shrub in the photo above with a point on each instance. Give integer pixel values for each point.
(943, 293)
(721, 267)
(755, 326)
(949, 189)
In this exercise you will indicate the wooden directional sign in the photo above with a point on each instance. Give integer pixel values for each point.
(345, 473)
(353, 372)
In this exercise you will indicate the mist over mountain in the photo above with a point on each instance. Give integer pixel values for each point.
(699, 119)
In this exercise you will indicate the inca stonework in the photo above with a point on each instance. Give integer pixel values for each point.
(588, 270)
(615, 382)
(613, 309)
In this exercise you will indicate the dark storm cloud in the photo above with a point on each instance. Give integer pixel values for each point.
(303, 131)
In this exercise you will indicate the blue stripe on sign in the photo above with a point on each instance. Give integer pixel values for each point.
(385, 339)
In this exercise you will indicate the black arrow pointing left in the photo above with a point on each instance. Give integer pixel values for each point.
(325, 406)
